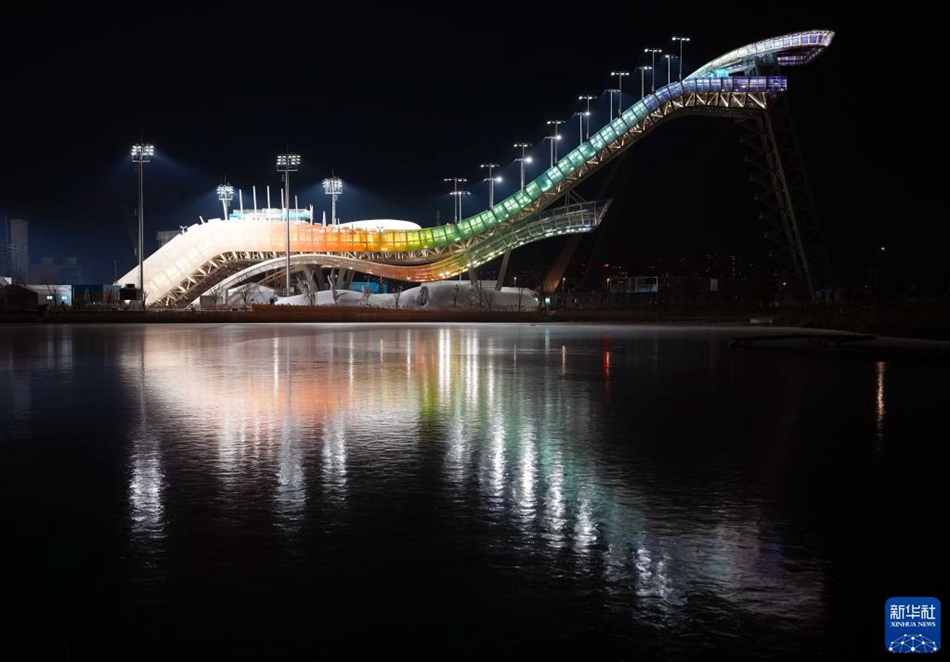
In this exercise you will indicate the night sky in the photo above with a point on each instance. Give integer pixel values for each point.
(393, 99)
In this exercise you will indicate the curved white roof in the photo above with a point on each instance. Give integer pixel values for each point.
(382, 224)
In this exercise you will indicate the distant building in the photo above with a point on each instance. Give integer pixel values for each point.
(95, 295)
(18, 299)
(52, 295)
(15, 250)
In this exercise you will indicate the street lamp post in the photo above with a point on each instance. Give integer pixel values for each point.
(225, 195)
(652, 52)
(457, 204)
(555, 136)
(669, 60)
(141, 153)
(580, 126)
(620, 75)
(611, 91)
(588, 98)
(681, 40)
(643, 69)
(491, 182)
(523, 159)
(287, 163)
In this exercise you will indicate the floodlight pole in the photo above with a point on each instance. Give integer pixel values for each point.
(333, 186)
(287, 163)
(588, 98)
(553, 137)
(522, 159)
(652, 52)
(491, 182)
(643, 69)
(141, 152)
(620, 75)
(225, 195)
(681, 40)
(457, 211)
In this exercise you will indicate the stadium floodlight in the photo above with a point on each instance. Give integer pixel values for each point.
(287, 163)
(333, 186)
(141, 154)
(225, 195)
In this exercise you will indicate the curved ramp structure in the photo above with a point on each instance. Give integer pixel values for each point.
(206, 255)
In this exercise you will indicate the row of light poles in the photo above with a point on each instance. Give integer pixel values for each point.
(583, 124)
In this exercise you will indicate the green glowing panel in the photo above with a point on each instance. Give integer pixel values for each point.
(534, 190)
(563, 169)
(575, 158)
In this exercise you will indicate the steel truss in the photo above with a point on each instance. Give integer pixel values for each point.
(773, 151)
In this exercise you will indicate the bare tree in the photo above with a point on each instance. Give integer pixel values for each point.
(246, 293)
(397, 292)
(477, 288)
(455, 295)
(489, 296)
(364, 299)
(111, 298)
(216, 293)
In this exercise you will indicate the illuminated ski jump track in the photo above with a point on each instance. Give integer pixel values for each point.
(221, 253)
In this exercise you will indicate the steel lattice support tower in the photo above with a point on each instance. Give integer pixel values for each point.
(778, 172)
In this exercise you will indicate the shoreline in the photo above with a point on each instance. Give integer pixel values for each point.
(897, 323)
(865, 334)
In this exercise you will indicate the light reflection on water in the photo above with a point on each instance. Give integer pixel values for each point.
(604, 457)
(289, 412)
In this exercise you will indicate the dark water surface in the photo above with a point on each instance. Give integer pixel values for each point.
(446, 492)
